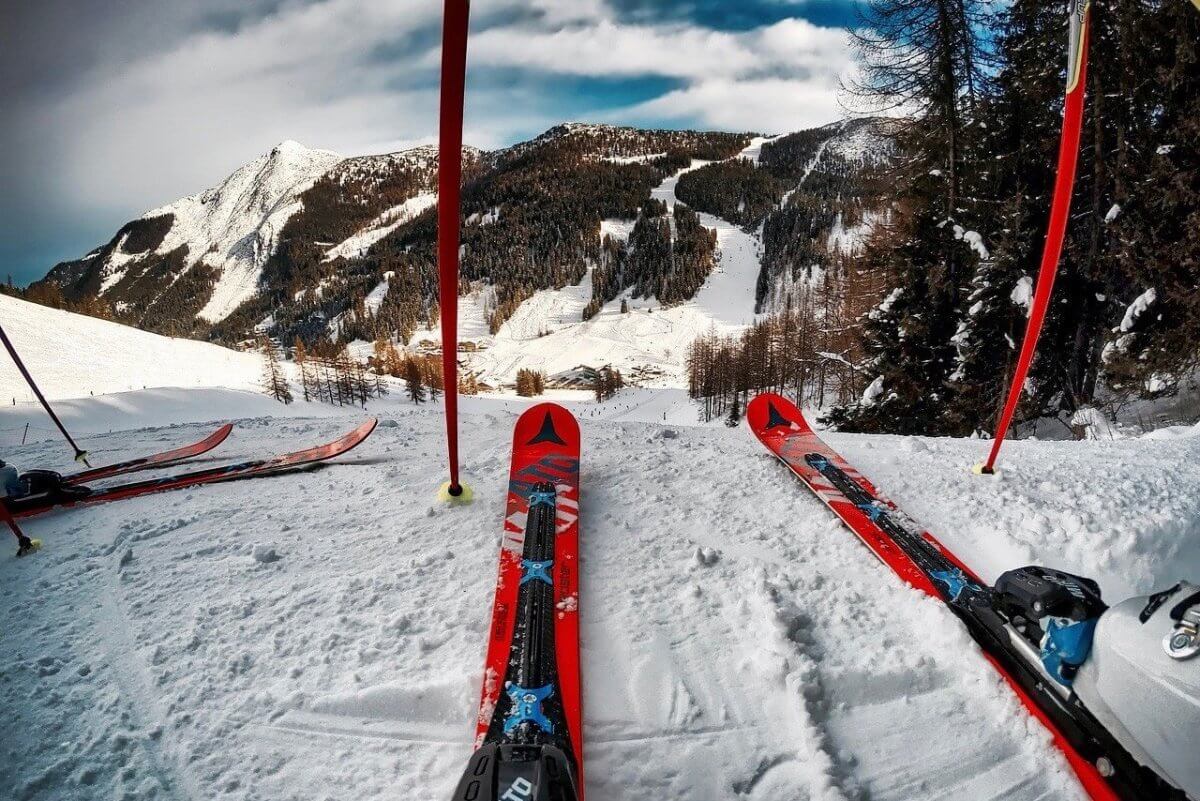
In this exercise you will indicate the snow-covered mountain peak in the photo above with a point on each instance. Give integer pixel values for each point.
(233, 226)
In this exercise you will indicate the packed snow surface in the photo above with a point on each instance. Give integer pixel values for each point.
(321, 635)
(73, 356)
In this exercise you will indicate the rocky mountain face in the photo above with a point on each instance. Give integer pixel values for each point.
(304, 243)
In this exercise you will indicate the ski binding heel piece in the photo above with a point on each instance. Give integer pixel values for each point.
(1183, 641)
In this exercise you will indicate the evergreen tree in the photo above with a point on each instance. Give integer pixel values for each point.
(274, 380)
(413, 384)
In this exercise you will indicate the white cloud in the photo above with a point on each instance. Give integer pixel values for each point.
(771, 105)
(780, 77)
(174, 121)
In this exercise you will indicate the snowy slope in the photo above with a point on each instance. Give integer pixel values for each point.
(72, 355)
(547, 331)
(737, 643)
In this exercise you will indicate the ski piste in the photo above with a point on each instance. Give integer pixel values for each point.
(1104, 768)
(164, 459)
(73, 495)
(529, 738)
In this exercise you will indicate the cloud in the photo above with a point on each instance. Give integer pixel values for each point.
(159, 98)
(774, 105)
(779, 77)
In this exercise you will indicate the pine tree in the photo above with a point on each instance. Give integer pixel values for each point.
(735, 413)
(413, 385)
(274, 380)
(300, 354)
(523, 383)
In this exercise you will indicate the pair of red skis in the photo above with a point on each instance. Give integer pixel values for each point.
(529, 739)
(50, 491)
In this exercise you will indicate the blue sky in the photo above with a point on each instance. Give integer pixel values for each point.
(116, 108)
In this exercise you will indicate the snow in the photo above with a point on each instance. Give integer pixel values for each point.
(852, 240)
(873, 391)
(617, 229)
(753, 151)
(1022, 294)
(321, 633)
(886, 304)
(381, 226)
(72, 355)
(374, 298)
(1113, 213)
(640, 159)
(974, 240)
(1137, 309)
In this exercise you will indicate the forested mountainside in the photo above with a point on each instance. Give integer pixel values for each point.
(971, 188)
(302, 243)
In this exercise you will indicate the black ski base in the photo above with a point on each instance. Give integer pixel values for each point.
(517, 773)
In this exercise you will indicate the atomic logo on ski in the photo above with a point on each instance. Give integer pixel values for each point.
(547, 433)
(774, 418)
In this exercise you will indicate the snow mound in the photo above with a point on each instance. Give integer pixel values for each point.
(72, 355)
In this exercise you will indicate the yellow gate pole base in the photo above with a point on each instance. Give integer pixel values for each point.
(28, 547)
(982, 469)
(464, 496)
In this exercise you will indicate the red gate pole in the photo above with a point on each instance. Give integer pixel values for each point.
(1060, 208)
(453, 92)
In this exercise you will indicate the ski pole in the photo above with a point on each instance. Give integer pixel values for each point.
(80, 454)
(24, 544)
(1060, 207)
(453, 96)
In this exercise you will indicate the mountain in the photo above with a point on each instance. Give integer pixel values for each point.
(306, 244)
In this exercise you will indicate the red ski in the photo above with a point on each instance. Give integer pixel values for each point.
(1105, 769)
(164, 459)
(528, 735)
(62, 495)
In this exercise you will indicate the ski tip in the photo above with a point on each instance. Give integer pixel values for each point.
(548, 425)
(769, 411)
(982, 469)
(463, 497)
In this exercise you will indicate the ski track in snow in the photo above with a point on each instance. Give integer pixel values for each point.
(547, 331)
(737, 641)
